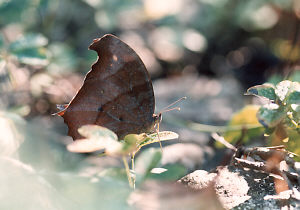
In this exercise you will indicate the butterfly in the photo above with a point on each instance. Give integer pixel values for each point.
(117, 92)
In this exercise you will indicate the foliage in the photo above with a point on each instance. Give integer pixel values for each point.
(243, 125)
(98, 138)
(280, 116)
(32, 160)
(44, 42)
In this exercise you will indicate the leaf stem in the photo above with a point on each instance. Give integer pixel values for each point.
(127, 172)
(132, 169)
(221, 129)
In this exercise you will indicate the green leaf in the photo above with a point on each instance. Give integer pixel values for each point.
(172, 172)
(293, 98)
(96, 131)
(285, 88)
(269, 131)
(294, 117)
(97, 138)
(265, 90)
(32, 56)
(282, 89)
(28, 41)
(13, 11)
(296, 108)
(270, 115)
(247, 121)
(163, 136)
(145, 162)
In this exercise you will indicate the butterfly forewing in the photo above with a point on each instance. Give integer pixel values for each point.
(117, 92)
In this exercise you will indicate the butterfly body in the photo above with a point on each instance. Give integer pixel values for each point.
(117, 92)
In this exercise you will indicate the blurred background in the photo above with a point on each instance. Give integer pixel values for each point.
(43, 43)
(208, 50)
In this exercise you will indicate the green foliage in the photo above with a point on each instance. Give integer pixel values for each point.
(30, 49)
(286, 94)
(49, 36)
(280, 117)
(266, 91)
(270, 115)
(12, 10)
(171, 172)
(31, 158)
(146, 161)
(28, 42)
(243, 125)
(98, 138)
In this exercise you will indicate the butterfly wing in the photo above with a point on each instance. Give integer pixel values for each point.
(117, 92)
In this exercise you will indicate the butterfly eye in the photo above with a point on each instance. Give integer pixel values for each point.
(121, 119)
(100, 109)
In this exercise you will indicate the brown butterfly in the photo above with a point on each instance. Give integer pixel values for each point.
(117, 92)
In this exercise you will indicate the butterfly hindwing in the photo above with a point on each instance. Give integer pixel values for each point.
(117, 92)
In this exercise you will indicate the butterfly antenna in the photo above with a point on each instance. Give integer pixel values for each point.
(166, 109)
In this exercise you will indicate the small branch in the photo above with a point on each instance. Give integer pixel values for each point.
(261, 166)
(221, 139)
(132, 169)
(221, 129)
(127, 172)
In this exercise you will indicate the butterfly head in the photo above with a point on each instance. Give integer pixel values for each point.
(157, 118)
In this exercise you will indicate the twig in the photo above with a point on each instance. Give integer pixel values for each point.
(127, 172)
(132, 169)
(223, 141)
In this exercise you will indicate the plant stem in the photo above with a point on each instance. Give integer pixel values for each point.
(127, 172)
(210, 128)
(132, 169)
(222, 129)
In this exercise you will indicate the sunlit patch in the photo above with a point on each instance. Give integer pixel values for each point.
(94, 3)
(261, 18)
(265, 17)
(130, 18)
(163, 40)
(103, 20)
(285, 50)
(115, 58)
(194, 41)
(156, 9)
(38, 83)
(158, 170)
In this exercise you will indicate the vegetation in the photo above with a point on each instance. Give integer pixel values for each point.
(43, 57)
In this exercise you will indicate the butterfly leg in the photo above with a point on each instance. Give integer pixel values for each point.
(157, 131)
